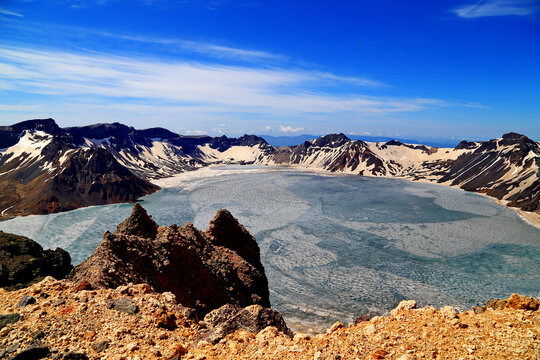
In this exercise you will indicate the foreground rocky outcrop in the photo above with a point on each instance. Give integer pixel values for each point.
(23, 262)
(135, 322)
(204, 270)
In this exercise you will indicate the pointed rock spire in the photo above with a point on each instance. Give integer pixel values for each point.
(139, 223)
(226, 231)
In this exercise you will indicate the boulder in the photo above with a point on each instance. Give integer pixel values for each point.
(227, 319)
(74, 356)
(403, 306)
(520, 302)
(100, 346)
(515, 301)
(24, 262)
(124, 305)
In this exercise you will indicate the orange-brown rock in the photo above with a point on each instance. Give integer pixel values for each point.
(515, 301)
(520, 302)
(203, 270)
(426, 333)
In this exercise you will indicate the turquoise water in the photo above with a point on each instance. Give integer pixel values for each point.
(335, 247)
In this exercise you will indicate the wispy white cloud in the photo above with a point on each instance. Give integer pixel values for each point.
(287, 129)
(172, 45)
(9, 13)
(366, 133)
(353, 80)
(113, 88)
(486, 8)
(18, 108)
(213, 50)
(267, 128)
(196, 132)
(226, 51)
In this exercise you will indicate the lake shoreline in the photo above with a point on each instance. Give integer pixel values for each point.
(531, 218)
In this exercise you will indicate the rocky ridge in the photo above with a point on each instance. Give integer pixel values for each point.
(135, 322)
(44, 168)
(507, 168)
(47, 169)
(204, 270)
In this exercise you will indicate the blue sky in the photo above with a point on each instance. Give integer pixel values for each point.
(464, 69)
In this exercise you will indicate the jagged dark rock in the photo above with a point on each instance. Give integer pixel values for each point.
(203, 270)
(23, 262)
(466, 145)
(224, 230)
(139, 223)
(221, 314)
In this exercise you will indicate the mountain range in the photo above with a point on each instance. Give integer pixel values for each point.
(47, 169)
(291, 140)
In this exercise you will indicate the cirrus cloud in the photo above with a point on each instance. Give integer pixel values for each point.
(497, 8)
(122, 88)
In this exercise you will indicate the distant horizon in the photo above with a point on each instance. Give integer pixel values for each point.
(289, 139)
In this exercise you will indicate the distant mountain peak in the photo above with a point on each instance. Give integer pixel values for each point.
(512, 138)
(393, 143)
(73, 167)
(466, 145)
(46, 125)
(331, 140)
(513, 135)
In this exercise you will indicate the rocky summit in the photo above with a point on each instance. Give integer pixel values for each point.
(204, 270)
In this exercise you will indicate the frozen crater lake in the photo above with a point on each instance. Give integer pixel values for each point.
(336, 247)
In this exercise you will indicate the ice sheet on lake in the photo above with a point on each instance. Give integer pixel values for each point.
(443, 239)
(454, 199)
(259, 201)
